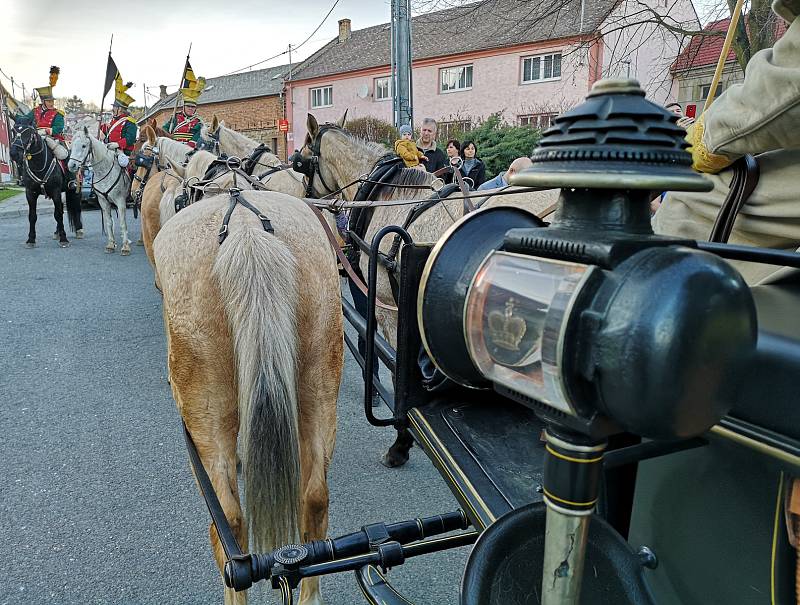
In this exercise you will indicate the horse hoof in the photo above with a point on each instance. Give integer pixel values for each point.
(79, 234)
(140, 242)
(111, 250)
(63, 244)
(30, 244)
(393, 460)
(125, 252)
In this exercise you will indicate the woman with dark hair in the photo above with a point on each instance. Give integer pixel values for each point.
(473, 167)
(453, 151)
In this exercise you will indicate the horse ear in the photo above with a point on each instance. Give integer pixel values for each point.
(342, 122)
(311, 125)
(150, 133)
(214, 123)
(177, 169)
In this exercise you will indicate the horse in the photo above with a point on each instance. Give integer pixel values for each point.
(255, 355)
(341, 161)
(266, 166)
(43, 173)
(154, 178)
(112, 187)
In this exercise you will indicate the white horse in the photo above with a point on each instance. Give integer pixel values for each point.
(111, 182)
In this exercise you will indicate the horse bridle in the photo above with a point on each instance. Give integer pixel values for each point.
(27, 155)
(114, 163)
(309, 166)
(144, 161)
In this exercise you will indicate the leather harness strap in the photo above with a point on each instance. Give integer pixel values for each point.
(746, 174)
(237, 198)
(359, 283)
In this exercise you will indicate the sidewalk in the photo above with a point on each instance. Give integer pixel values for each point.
(17, 206)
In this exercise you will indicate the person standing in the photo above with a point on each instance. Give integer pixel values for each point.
(472, 167)
(427, 145)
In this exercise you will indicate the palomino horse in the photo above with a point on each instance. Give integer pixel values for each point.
(235, 143)
(254, 340)
(42, 173)
(154, 179)
(111, 183)
(342, 160)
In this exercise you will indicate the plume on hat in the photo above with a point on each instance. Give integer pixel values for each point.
(54, 71)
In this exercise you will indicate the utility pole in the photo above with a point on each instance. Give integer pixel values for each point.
(401, 63)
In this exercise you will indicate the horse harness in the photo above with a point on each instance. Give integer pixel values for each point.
(28, 156)
(121, 175)
(238, 199)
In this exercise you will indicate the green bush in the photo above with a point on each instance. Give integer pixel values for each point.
(498, 143)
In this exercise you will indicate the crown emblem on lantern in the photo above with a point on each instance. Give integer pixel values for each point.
(506, 330)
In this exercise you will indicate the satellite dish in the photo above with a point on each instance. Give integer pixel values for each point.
(363, 91)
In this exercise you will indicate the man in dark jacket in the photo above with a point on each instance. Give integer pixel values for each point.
(427, 145)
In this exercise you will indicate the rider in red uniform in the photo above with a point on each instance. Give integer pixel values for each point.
(122, 128)
(50, 123)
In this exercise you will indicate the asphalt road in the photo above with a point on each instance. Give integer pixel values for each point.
(97, 503)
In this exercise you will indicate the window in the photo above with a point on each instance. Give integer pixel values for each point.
(541, 68)
(452, 79)
(454, 129)
(382, 89)
(537, 120)
(706, 88)
(321, 97)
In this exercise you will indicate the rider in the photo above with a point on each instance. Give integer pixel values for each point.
(758, 116)
(185, 125)
(50, 123)
(120, 132)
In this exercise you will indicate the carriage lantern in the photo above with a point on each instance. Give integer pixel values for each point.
(594, 322)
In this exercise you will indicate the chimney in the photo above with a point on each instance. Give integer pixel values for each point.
(162, 93)
(344, 30)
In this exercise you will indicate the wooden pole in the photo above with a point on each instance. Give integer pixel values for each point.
(103, 98)
(178, 93)
(726, 47)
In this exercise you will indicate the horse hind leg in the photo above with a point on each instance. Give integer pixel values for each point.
(205, 395)
(58, 213)
(108, 225)
(397, 454)
(123, 227)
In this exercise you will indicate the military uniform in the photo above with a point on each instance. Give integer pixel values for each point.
(185, 129)
(182, 127)
(50, 121)
(121, 130)
(761, 115)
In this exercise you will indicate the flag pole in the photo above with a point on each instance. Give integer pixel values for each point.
(103, 98)
(178, 92)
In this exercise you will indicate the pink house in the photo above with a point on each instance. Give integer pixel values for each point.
(494, 56)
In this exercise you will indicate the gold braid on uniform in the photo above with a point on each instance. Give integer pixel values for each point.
(702, 159)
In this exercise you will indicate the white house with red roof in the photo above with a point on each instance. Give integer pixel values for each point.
(528, 60)
(694, 68)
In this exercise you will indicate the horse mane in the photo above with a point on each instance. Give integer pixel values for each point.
(174, 151)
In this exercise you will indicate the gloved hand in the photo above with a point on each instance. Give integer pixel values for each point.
(113, 146)
(44, 131)
(702, 159)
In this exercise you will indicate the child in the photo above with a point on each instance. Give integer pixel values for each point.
(406, 148)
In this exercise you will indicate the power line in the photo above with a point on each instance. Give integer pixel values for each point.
(286, 52)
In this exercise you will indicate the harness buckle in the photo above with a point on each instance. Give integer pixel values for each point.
(223, 233)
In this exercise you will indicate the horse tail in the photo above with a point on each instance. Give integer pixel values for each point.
(74, 210)
(257, 276)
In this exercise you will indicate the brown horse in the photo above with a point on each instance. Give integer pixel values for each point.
(343, 158)
(254, 340)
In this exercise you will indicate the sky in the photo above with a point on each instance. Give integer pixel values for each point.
(151, 38)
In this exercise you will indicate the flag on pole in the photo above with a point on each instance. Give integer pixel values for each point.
(112, 74)
(191, 86)
(189, 79)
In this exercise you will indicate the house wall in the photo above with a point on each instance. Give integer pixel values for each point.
(496, 86)
(690, 83)
(256, 117)
(651, 49)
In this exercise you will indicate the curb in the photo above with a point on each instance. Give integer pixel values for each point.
(17, 212)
